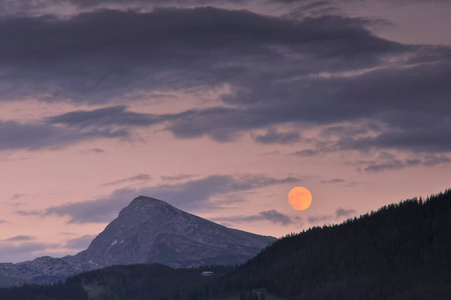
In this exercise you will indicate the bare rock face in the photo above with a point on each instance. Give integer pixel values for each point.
(149, 231)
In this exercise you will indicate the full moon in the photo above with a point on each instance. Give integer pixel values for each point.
(300, 198)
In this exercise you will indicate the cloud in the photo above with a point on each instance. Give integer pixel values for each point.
(341, 212)
(295, 9)
(24, 251)
(46, 7)
(78, 243)
(139, 177)
(18, 196)
(178, 177)
(324, 219)
(232, 47)
(319, 72)
(272, 137)
(93, 150)
(272, 216)
(27, 213)
(20, 238)
(101, 210)
(334, 180)
(2, 221)
(103, 117)
(35, 136)
(198, 193)
(391, 117)
(394, 164)
(388, 161)
(307, 153)
(193, 195)
(71, 128)
(328, 219)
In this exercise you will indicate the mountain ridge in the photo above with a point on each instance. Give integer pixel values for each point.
(147, 231)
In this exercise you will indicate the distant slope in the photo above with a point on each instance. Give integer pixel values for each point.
(402, 251)
(10, 281)
(132, 282)
(143, 282)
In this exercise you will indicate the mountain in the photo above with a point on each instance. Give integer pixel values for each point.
(152, 231)
(400, 252)
(148, 231)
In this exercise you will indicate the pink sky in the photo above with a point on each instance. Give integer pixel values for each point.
(217, 111)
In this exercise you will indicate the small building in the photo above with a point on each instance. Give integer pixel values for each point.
(207, 273)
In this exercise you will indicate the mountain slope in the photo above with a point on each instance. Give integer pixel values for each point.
(152, 231)
(402, 251)
(148, 231)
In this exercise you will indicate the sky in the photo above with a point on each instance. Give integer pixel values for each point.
(218, 108)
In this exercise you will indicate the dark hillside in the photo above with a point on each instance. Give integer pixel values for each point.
(132, 282)
(142, 282)
(402, 251)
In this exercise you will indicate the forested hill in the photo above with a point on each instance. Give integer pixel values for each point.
(402, 251)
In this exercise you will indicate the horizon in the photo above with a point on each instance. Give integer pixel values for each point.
(219, 109)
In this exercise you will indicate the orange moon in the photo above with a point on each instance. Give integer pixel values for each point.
(300, 198)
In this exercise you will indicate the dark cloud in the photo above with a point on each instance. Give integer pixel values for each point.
(329, 219)
(27, 250)
(79, 243)
(106, 55)
(35, 136)
(296, 8)
(430, 160)
(27, 213)
(307, 152)
(272, 136)
(341, 212)
(387, 161)
(197, 194)
(306, 9)
(328, 71)
(103, 117)
(89, 3)
(276, 217)
(2, 221)
(139, 177)
(394, 164)
(43, 7)
(334, 180)
(388, 113)
(272, 216)
(101, 210)
(14, 135)
(323, 219)
(20, 238)
(192, 195)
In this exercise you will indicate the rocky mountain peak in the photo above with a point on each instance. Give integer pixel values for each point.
(147, 231)
(142, 201)
(143, 208)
